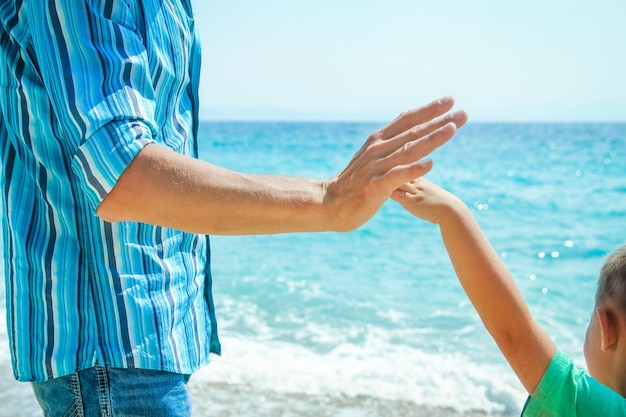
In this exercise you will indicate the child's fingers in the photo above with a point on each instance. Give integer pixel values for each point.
(407, 187)
(399, 195)
(413, 186)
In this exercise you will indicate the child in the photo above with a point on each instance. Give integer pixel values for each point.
(555, 386)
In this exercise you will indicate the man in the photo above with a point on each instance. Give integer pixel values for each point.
(107, 210)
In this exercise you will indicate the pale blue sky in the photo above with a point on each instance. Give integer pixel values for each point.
(532, 60)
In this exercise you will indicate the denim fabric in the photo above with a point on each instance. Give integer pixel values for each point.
(114, 392)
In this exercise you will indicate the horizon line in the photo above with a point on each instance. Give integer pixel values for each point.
(372, 121)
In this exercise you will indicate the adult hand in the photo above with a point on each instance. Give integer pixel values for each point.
(390, 158)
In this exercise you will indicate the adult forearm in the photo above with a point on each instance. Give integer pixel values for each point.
(164, 188)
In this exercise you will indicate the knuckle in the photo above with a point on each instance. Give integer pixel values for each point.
(375, 137)
(405, 114)
(416, 131)
(376, 148)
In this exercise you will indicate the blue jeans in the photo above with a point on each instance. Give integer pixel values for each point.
(114, 392)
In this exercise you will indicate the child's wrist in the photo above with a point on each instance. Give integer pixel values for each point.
(454, 210)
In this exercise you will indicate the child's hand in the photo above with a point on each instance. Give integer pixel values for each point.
(426, 200)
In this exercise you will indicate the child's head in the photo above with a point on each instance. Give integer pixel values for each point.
(612, 282)
(608, 321)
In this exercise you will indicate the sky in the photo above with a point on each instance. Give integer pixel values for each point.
(368, 60)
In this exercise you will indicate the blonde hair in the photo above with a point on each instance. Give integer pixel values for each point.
(612, 281)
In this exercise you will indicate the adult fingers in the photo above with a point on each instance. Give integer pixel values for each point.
(399, 173)
(405, 164)
(411, 118)
(458, 118)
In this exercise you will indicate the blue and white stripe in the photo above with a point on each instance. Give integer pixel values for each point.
(86, 84)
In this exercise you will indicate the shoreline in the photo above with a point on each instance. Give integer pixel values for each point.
(229, 400)
(211, 399)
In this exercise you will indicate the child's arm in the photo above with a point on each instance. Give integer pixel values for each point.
(485, 279)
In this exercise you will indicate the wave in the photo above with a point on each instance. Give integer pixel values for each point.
(376, 369)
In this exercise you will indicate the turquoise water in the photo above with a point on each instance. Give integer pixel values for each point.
(377, 313)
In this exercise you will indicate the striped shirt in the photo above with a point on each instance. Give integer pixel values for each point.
(86, 84)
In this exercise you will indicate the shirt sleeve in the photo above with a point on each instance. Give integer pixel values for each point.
(93, 63)
(566, 391)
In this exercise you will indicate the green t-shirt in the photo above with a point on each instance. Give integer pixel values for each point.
(565, 391)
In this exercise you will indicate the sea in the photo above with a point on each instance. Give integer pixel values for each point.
(373, 322)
